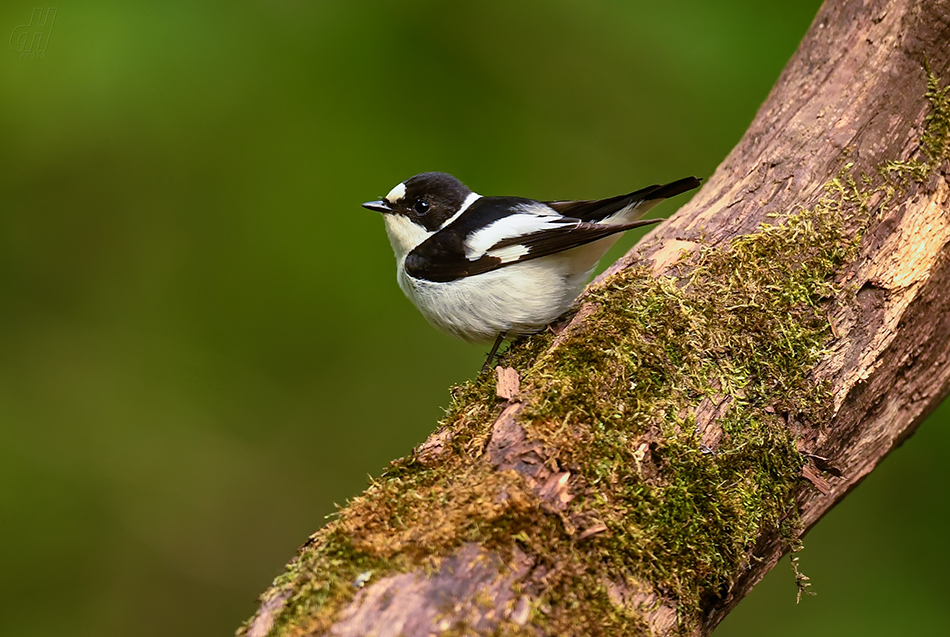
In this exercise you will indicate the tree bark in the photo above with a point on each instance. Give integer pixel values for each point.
(534, 510)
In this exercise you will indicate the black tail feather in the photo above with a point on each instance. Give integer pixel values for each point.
(595, 210)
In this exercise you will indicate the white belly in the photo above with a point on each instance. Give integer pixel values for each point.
(519, 299)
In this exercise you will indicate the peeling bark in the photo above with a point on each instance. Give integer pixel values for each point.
(416, 603)
(852, 96)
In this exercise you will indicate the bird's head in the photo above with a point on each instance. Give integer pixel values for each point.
(416, 208)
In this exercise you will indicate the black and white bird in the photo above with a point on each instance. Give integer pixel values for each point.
(486, 268)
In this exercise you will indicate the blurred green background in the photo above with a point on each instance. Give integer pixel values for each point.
(202, 344)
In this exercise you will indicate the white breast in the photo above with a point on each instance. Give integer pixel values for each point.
(519, 299)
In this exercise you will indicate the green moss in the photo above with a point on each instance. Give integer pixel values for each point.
(737, 329)
(936, 137)
(934, 142)
(744, 327)
(342, 570)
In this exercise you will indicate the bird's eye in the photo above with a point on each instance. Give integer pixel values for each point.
(421, 206)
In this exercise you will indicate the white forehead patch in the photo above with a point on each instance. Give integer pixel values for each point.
(396, 193)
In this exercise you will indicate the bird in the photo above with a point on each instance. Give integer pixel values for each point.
(484, 269)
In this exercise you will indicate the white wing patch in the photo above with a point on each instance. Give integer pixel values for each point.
(509, 253)
(509, 227)
(397, 193)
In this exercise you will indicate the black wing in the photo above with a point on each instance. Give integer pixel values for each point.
(596, 210)
(442, 258)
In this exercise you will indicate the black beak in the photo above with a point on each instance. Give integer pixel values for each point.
(378, 206)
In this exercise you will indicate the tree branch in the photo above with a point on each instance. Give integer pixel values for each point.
(717, 391)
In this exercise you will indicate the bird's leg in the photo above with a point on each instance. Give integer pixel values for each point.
(494, 349)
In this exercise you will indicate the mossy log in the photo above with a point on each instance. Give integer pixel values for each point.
(638, 468)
